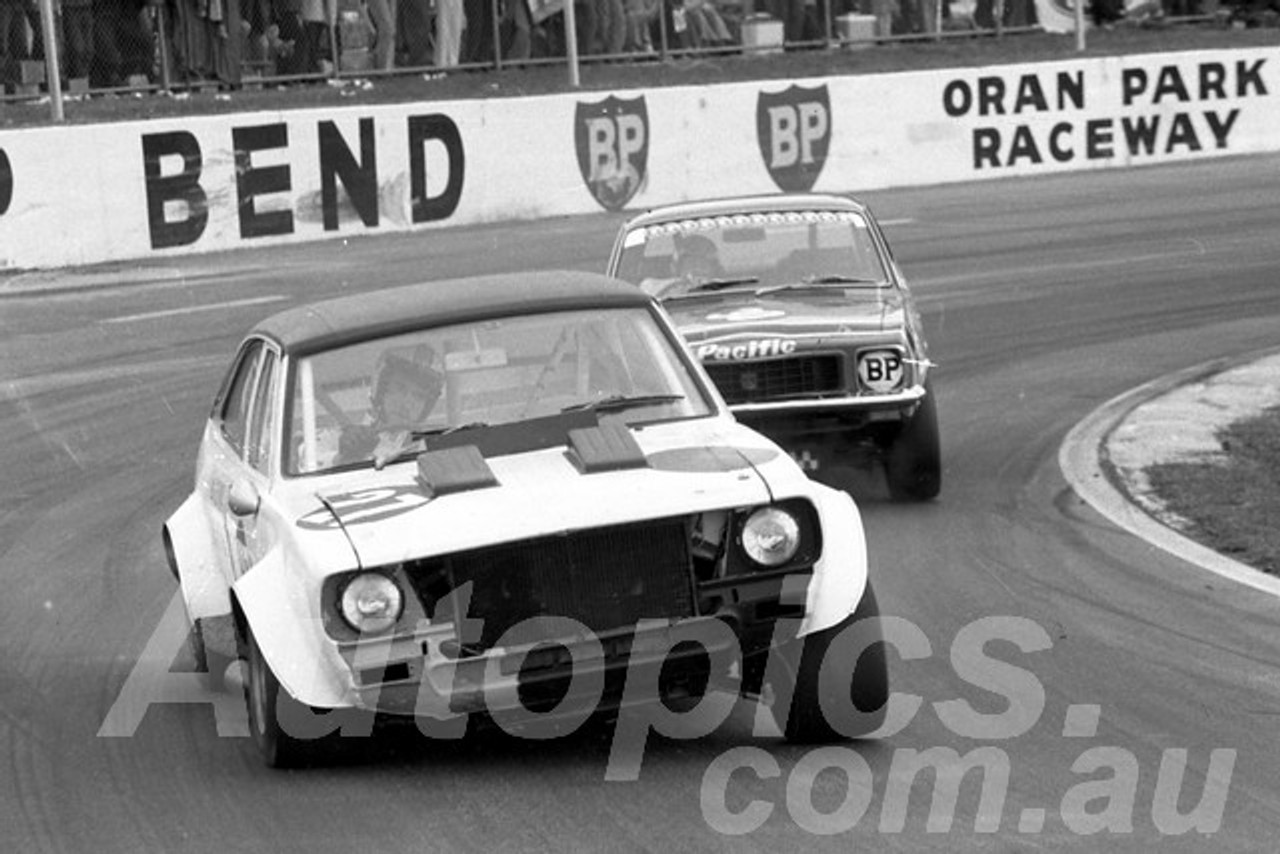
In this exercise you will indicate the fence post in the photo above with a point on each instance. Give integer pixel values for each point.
(52, 70)
(571, 43)
(497, 34)
(664, 43)
(162, 37)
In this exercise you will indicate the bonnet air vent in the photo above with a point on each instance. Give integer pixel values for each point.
(610, 446)
(457, 469)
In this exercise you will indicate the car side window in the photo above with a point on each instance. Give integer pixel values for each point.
(234, 411)
(263, 418)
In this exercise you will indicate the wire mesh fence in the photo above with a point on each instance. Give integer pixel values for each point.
(114, 45)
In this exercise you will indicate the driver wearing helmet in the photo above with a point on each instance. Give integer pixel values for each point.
(696, 257)
(403, 395)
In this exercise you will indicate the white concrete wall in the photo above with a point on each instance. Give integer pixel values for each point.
(84, 194)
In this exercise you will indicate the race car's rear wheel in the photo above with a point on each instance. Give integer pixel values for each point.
(275, 718)
(857, 671)
(913, 464)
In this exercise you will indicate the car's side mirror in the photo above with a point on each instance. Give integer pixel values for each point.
(243, 499)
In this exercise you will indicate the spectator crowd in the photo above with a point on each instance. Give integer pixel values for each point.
(106, 44)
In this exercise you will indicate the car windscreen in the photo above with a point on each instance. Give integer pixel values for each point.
(754, 249)
(484, 374)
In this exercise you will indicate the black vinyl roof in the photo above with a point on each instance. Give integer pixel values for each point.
(390, 311)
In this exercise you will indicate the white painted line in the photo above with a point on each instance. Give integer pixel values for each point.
(23, 387)
(991, 279)
(1080, 459)
(151, 315)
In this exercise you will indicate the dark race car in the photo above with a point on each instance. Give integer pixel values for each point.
(800, 314)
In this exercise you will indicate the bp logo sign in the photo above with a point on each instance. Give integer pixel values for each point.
(612, 138)
(793, 128)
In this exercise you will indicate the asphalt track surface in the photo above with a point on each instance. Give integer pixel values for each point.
(1113, 664)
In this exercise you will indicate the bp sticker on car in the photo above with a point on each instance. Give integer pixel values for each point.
(881, 370)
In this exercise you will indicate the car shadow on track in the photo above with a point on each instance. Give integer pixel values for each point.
(590, 747)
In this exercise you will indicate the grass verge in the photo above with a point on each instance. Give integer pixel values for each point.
(1231, 504)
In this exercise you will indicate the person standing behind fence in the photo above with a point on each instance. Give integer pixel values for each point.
(255, 17)
(706, 24)
(641, 16)
(13, 34)
(610, 25)
(108, 61)
(519, 22)
(792, 14)
(477, 41)
(77, 32)
(451, 21)
(413, 32)
(201, 47)
(383, 15)
(318, 18)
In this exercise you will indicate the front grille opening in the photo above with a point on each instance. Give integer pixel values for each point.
(604, 578)
(796, 376)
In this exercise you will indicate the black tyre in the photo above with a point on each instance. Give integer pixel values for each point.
(286, 732)
(864, 678)
(913, 464)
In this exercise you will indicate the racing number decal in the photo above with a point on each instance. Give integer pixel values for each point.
(881, 370)
(369, 505)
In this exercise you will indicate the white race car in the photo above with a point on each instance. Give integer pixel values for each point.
(517, 497)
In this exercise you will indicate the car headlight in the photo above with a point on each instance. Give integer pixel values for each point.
(771, 536)
(371, 602)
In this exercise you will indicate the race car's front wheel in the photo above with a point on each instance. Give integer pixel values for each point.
(849, 700)
(279, 723)
(913, 464)
(209, 666)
